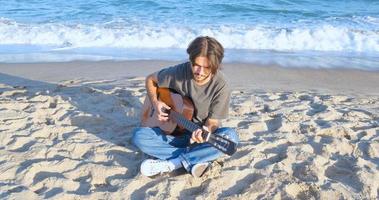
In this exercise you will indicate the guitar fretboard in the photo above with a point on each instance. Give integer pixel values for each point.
(180, 119)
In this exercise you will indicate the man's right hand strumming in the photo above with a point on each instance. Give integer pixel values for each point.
(161, 110)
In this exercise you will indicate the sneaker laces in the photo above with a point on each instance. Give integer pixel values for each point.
(152, 167)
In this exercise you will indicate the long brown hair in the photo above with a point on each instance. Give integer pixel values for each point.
(208, 47)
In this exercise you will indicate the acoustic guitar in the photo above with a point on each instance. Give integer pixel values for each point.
(180, 116)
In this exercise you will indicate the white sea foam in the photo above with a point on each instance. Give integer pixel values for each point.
(323, 37)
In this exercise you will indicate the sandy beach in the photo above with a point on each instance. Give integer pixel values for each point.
(65, 131)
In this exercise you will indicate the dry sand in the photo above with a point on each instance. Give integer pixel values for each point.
(305, 134)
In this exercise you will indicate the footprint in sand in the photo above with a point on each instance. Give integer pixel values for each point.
(245, 184)
(280, 152)
(304, 172)
(302, 191)
(368, 151)
(360, 114)
(284, 96)
(87, 120)
(305, 97)
(316, 108)
(21, 144)
(344, 170)
(243, 124)
(42, 175)
(269, 161)
(323, 123)
(275, 123)
(50, 184)
(336, 132)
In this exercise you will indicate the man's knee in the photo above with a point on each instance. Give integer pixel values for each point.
(141, 136)
(229, 133)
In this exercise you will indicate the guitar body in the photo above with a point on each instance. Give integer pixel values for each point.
(182, 105)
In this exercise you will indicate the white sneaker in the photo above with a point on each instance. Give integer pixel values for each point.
(150, 167)
(199, 169)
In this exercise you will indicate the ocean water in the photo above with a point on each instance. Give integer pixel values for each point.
(301, 33)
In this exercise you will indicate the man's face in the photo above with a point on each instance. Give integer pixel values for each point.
(200, 69)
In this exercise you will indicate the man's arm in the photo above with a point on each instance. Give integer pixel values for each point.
(151, 84)
(151, 90)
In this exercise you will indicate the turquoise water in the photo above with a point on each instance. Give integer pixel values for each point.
(289, 33)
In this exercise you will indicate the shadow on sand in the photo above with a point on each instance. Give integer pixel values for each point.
(105, 109)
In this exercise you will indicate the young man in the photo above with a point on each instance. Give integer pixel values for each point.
(201, 81)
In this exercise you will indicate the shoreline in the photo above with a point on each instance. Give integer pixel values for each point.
(240, 75)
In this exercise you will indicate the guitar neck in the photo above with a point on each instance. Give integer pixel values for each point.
(180, 119)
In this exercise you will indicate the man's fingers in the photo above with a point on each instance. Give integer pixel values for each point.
(161, 108)
(197, 137)
(163, 118)
(166, 106)
(200, 138)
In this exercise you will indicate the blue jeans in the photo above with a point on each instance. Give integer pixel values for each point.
(154, 142)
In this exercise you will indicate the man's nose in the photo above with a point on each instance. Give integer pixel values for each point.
(198, 70)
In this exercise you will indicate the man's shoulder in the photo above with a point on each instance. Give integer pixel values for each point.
(175, 69)
(173, 76)
(221, 80)
(183, 65)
